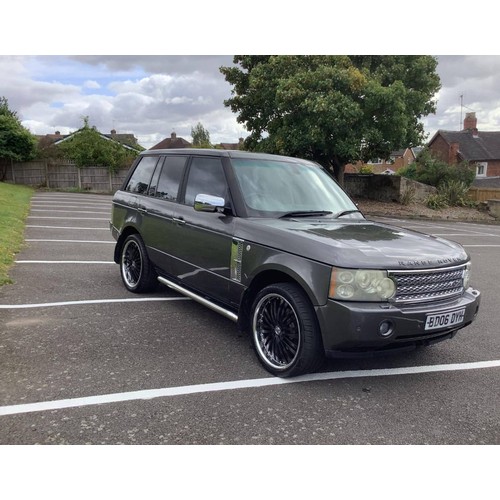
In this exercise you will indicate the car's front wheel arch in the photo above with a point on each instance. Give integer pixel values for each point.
(284, 329)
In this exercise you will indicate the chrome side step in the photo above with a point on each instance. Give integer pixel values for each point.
(188, 293)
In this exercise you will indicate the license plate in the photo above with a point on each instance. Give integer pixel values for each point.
(445, 320)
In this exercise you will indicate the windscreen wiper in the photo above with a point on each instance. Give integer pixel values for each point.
(306, 213)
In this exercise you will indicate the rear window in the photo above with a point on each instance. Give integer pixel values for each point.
(170, 178)
(141, 177)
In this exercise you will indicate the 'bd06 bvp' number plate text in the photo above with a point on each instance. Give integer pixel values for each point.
(444, 320)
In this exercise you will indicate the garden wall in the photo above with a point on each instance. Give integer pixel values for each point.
(386, 188)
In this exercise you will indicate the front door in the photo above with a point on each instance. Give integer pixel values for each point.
(201, 246)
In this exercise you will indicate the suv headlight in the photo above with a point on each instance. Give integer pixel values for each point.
(466, 275)
(363, 285)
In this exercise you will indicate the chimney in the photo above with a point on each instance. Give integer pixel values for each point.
(470, 123)
(173, 136)
(113, 132)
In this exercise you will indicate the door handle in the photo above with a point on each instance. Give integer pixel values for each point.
(179, 220)
(142, 210)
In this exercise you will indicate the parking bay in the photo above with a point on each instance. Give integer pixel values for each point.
(74, 339)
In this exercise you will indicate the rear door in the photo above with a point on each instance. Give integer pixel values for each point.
(158, 227)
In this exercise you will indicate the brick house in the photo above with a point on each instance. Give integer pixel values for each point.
(172, 142)
(469, 144)
(397, 160)
(232, 145)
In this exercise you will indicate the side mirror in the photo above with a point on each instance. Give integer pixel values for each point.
(208, 203)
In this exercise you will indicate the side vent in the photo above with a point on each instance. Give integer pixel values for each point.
(236, 259)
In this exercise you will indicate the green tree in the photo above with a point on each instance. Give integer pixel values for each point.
(87, 147)
(201, 136)
(333, 109)
(17, 143)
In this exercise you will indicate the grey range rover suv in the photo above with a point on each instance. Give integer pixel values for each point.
(274, 244)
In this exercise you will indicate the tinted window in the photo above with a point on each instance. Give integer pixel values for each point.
(141, 177)
(154, 180)
(206, 176)
(170, 178)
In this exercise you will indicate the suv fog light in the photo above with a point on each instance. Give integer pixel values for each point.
(386, 328)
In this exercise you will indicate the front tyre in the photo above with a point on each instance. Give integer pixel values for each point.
(285, 332)
(136, 270)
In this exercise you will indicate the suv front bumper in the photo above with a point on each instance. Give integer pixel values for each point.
(367, 328)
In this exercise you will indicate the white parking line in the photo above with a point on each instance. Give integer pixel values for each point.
(87, 302)
(76, 204)
(102, 212)
(70, 218)
(234, 385)
(471, 234)
(70, 227)
(70, 241)
(64, 262)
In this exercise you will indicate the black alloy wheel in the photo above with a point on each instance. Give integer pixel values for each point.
(136, 270)
(285, 332)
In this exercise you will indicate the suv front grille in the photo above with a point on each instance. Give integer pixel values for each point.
(427, 286)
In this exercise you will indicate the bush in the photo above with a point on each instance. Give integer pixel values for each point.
(452, 193)
(433, 172)
(408, 196)
(87, 147)
(436, 202)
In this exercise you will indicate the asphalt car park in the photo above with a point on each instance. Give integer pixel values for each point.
(84, 361)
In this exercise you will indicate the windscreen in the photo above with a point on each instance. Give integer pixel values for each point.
(272, 188)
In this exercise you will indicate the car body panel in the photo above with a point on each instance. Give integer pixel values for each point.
(226, 255)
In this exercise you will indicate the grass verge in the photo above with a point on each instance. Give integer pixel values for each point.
(14, 208)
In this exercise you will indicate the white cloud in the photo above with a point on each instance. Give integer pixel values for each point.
(91, 84)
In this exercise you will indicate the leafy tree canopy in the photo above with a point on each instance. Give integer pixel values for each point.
(87, 147)
(201, 136)
(333, 109)
(17, 143)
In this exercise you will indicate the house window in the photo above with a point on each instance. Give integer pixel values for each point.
(481, 169)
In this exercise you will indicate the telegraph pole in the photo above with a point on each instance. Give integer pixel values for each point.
(461, 108)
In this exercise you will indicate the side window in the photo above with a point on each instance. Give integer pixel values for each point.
(206, 176)
(141, 177)
(170, 178)
(154, 179)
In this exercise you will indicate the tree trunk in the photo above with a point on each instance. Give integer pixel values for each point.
(338, 171)
(335, 166)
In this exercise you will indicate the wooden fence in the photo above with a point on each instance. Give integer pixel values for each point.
(63, 174)
(484, 194)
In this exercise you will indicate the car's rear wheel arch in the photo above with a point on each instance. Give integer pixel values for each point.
(127, 231)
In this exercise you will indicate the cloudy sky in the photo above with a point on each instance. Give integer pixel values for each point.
(149, 96)
(154, 95)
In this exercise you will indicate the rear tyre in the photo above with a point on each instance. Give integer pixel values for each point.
(136, 269)
(285, 331)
